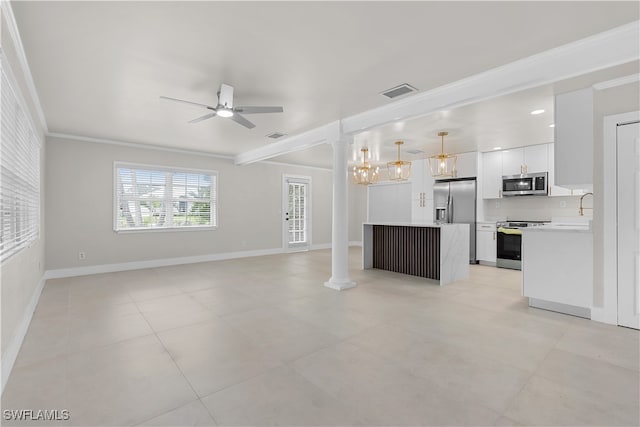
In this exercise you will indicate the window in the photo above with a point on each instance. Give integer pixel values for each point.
(19, 171)
(152, 198)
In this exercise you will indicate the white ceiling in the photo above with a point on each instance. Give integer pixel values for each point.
(100, 67)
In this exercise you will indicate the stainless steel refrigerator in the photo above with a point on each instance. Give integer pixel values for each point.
(454, 201)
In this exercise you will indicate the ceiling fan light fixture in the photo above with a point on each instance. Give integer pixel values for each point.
(365, 174)
(224, 112)
(443, 165)
(399, 170)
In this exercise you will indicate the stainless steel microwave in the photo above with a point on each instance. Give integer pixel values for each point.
(530, 184)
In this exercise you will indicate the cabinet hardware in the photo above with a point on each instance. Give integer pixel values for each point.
(494, 235)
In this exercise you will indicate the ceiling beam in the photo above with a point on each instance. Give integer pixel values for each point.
(321, 135)
(608, 49)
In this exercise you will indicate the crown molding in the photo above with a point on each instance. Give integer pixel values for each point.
(81, 138)
(12, 28)
(632, 78)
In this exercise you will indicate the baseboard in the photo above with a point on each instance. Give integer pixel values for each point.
(320, 246)
(328, 245)
(11, 351)
(154, 263)
(602, 315)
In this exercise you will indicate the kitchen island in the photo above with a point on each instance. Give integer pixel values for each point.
(435, 251)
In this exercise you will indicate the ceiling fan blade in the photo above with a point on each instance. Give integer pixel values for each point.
(258, 110)
(225, 96)
(201, 118)
(241, 120)
(187, 102)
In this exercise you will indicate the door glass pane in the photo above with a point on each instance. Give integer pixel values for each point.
(297, 213)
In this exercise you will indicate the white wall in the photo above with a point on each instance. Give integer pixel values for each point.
(79, 185)
(20, 275)
(621, 99)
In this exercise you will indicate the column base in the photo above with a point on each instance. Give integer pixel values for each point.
(340, 285)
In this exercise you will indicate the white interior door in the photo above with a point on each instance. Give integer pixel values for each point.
(628, 170)
(296, 206)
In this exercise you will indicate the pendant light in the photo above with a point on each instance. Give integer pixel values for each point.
(399, 170)
(365, 174)
(443, 165)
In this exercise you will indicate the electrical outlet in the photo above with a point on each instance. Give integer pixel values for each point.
(82, 255)
(563, 203)
(497, 204)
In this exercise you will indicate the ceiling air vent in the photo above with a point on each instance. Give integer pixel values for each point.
(414, 151)
(397, 91)
(276, 135)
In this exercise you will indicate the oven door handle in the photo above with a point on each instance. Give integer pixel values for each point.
(509, 230)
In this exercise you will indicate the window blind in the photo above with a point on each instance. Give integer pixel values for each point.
(149, 197)
(19, 171)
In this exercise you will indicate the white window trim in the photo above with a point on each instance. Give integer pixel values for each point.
(163, 168)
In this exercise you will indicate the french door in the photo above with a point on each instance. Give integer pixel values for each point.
(296, 207)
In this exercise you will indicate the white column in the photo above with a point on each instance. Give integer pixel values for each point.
(339, 230)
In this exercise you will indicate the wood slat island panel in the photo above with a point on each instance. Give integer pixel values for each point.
(408, 250)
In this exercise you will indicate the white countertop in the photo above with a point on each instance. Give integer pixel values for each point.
(411, 224)
(570, 228)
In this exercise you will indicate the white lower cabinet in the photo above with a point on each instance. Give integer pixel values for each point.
(486, 242)
(557, 271)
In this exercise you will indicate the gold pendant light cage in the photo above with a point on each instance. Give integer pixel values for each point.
(366, 174)
(399, 170)
(443, 165)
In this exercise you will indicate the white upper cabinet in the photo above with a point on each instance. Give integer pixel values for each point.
(512, 161)
(574, 139)
(466, 165)
(536, 158)
(529, 159)
(421, 192)
(491, 174)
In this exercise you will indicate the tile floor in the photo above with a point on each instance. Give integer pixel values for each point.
(260, 341)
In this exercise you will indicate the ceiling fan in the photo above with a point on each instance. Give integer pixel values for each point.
(226, 109)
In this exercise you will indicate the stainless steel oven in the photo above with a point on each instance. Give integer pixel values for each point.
(509, 243)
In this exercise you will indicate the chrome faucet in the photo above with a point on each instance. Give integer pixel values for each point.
(581, 211)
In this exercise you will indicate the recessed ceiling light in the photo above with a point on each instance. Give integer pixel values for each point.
(536, 112)
(497, 148)
(552, 125)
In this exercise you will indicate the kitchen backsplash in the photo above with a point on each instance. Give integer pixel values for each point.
(535, 208)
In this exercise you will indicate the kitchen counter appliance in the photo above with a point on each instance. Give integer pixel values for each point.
(509, 242)
(530, 184)
(454, 201)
